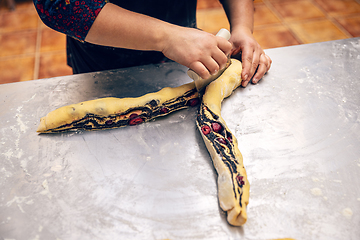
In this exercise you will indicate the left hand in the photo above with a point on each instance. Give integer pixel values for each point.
(255, 62)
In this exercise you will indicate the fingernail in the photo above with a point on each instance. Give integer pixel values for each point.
(255, 80)
(246, 77)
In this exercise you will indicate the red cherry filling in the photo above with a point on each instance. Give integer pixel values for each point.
(133, 115)
(216, 127)
(205, 130)
(109, 122)
(193, 102)
(135, 121)
(240, 180)
(164, 110)
(221, 140)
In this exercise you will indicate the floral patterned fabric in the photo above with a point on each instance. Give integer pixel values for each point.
(72, 17)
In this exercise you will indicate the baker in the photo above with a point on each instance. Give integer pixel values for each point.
(104, 35)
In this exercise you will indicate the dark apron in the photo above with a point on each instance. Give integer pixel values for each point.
(86, 57)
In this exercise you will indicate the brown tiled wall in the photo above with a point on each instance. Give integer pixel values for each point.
(30, 50)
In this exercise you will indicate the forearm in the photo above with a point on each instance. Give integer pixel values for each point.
(198, 50)
(118, 27)
(240, 14)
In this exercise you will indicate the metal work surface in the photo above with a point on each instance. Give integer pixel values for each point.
(298, 131)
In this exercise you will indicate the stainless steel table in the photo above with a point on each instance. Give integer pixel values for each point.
(298, 130)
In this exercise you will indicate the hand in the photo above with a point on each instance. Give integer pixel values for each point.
(253, 56)
(200, 51)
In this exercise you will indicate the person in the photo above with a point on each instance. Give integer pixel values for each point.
(104, 35)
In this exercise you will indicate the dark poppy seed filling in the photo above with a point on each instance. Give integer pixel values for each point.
(153, 103)
(222, 141)
(229, 136)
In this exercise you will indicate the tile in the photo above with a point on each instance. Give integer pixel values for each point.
(16, 69)
(52, 40)
(274, 1)
(298, 10)
(4, 6)
(18, 20)
(53, 65)
(274, 36)
(339, 7)
(351, 24)
(317, 31)
(17, 43)
(211, 20)
(263, 15)
(19, 5)
(205, 4)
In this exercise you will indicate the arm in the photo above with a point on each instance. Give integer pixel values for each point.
(240, 14)
(198, 50)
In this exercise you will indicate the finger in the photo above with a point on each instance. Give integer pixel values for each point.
(224, 45)
(220, 58)
(200, 69)
(211, 65)
(247, 60)
(260, 73)
(264, 66)
(254, 64)
(269, 62)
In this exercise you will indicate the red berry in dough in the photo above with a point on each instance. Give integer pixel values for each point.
(205, 130)
(216, 127)
(221, 140)
(240, 180)
(135, 121)
(133, 115)
(193, 102)
(109, 122)
(164, 110)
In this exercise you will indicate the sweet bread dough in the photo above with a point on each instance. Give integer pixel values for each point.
(233, 186)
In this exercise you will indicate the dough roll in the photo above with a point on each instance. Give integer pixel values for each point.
(105, 113)
(233, 186)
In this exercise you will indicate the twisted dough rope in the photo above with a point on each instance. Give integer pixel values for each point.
(107, 113)
(233, 186)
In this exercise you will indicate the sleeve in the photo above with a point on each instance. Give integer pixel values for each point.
(72, 17)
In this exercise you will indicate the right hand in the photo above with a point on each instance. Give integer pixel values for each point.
(200, 51)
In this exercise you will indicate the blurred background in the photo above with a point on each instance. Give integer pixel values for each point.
(29, 50)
